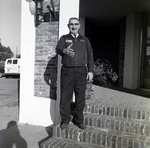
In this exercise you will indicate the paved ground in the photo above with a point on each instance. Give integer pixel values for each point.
(19, 135)
(22, 136)
(140, 92)
(26, 136)
(8, 101)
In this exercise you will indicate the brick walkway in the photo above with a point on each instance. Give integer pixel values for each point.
(114, 119)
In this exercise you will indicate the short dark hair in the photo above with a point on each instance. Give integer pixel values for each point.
(74, 18)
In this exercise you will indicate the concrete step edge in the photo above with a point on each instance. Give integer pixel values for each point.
(118, 111)
(95, 115)
(101, 137)
(117, 124)
(54, 142)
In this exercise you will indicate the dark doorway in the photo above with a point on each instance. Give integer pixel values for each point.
(105, 42)
(103, 30)
(145, 59)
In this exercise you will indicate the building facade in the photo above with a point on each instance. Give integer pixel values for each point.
(39, 100)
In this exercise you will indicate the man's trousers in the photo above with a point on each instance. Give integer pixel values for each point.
(72, 79)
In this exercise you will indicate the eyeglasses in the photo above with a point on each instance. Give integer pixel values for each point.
(76, 24)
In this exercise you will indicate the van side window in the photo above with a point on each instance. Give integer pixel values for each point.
(9, 61)
(15, 61)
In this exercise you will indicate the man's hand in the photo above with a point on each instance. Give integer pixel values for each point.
(90, 76)
(47, 80)
(69, 51)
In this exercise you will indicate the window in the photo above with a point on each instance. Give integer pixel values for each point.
(15, 61)
(9, 61)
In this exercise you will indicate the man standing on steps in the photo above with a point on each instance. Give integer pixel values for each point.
(78, 65)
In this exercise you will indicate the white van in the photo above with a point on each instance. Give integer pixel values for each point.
(12, 67)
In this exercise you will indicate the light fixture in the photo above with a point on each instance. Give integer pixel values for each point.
(32, 7)
(36, 9)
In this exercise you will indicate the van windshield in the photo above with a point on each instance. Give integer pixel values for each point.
(9, 61)
(15, 61)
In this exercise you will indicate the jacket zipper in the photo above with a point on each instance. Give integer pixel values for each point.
(76, 53)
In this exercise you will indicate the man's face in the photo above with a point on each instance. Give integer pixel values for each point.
(74, 26)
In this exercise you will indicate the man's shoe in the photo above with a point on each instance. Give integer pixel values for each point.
(64, 126)
(82, 126)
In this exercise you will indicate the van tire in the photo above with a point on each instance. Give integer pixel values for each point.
(7, 76)
(1, 74)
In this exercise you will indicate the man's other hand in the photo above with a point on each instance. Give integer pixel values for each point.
(90, 76)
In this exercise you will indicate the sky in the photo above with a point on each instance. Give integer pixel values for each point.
(10, 24)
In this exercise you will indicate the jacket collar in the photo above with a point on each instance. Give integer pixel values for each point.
(79, 36)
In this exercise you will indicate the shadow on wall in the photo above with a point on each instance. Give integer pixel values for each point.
(50, 77)
(11, 136)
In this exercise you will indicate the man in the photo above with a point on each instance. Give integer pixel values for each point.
(78, 65)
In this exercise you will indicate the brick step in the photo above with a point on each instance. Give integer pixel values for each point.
(102, 137)
(118, 111)
(118, 124)
(66, 143)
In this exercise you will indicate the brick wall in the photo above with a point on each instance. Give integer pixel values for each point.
(121, 50)
(45, 56)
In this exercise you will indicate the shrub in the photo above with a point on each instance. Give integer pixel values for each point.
(104, 73)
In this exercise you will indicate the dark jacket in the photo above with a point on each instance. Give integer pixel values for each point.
(82, 48)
